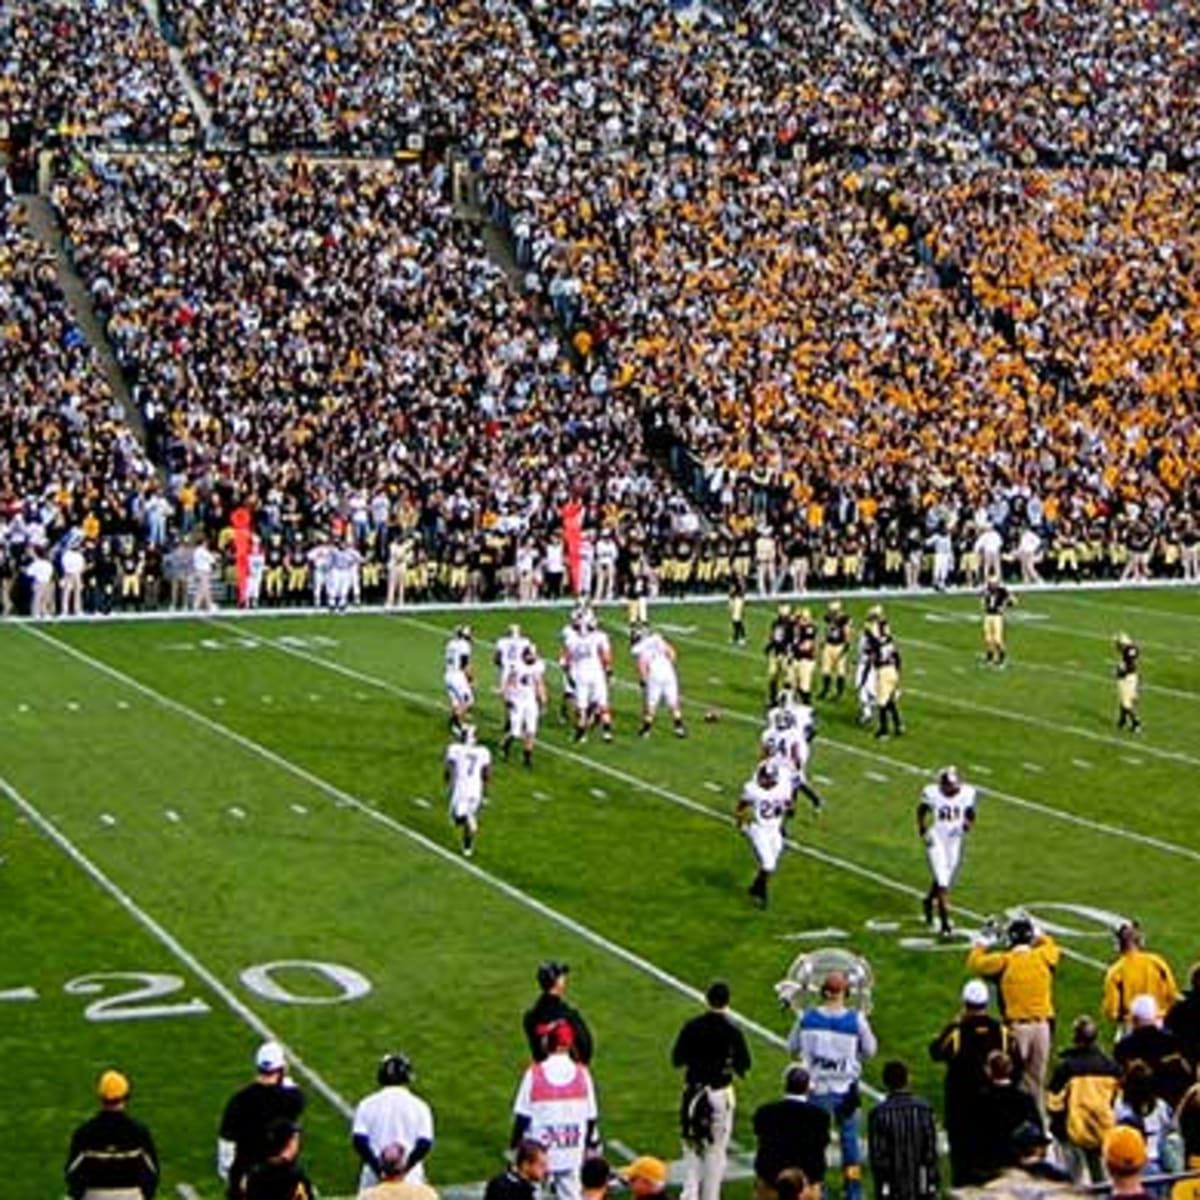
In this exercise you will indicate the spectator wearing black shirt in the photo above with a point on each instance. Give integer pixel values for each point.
(964, 1045)
(791, 1132)
(270, 1098)
(1003, 1109)
(523, 1179)
(279, 1176)
(902, 1140)
(550, 1009)
(712, 1050)
(1183, 1019)
(1159, 1048)
(112, 1151)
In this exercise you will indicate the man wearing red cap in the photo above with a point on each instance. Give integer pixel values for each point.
(112, 1152)
(556, 1105)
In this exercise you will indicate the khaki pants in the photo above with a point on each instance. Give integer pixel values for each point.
(1032, 1039)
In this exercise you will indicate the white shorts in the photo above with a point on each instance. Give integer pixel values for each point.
(662, 689)
(458, 688)
(523, 718)
(464, 806)
(943, 855)
(767, 844)
(591, 691)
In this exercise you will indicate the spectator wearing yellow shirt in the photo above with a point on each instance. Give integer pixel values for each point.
(1136, 972)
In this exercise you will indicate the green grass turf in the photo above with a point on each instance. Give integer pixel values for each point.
(326, 734)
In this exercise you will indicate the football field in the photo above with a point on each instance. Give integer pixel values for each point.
(218, 831)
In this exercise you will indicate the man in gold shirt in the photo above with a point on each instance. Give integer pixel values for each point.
(1136, 972)
(1024, 976)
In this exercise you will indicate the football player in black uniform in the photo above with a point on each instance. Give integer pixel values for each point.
(996, 599)
(835, 653)
(1128, 662)
(778, 651)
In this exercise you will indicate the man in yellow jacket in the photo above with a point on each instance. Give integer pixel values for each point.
(1024, 976)
(1136, 972)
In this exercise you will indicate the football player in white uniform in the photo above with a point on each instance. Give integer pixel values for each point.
(945, 814)
(509, 650)
(457, 677)
(765, 804)
(468, 769)
(587, 655)
(524, 697)
(786, 744)
(655, 658)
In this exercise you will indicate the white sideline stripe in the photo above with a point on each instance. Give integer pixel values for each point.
(898, 594)
(1136, 608)
(635, 781)
(349, 800)
(1001, 713)
(168, 940)
(1011, 798)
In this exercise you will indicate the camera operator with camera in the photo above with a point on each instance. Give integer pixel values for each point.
(1023, 972)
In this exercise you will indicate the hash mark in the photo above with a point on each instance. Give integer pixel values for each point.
(1131, 760)
(420, 802)
(314, 697)
(238, 814)
(980, 769)
(108, 819)
(1035, 768)
(73, 705)
(823, 779)
(22, 708)
(712, 785)
(219, 701)
(1081, 763)
(876, 776)
(714, 680)
(172, 816)
(300, 810)
(268, 699)
(920, 671)
(598, 793)
(123, 705)
(540, 796)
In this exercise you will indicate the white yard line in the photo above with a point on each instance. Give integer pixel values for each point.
(171, 943)
(1011, 798)
(348, 800)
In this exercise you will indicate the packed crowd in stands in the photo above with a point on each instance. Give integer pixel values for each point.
(68, 459)
(93, 70)
(1059, 81)
(755, 224)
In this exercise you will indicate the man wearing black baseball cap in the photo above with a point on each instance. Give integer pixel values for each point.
(550, 1009)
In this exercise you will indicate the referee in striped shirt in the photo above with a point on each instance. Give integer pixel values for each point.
(902, 1140)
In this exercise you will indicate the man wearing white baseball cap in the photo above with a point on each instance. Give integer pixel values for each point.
(269, 1098)
(964, 1045)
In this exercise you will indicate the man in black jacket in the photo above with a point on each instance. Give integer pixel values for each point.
(550, 1009)
(524, 1178)
(791, 1133)
(279, 1175)
(112, 1150)
(902, 1141)
(1183, 1020)
(964, 1045)
(713, 1051)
